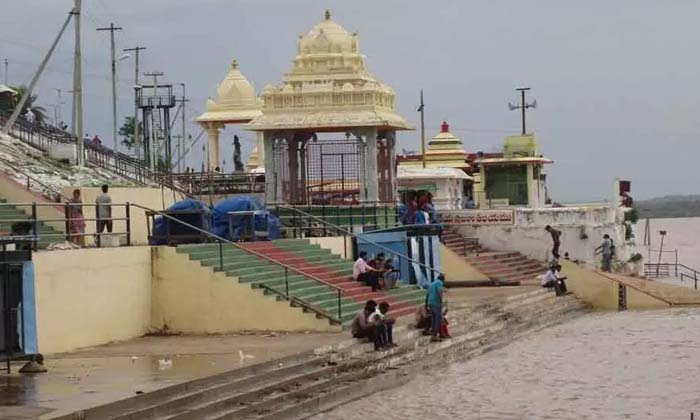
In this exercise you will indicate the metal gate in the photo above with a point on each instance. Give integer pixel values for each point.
(334, 172)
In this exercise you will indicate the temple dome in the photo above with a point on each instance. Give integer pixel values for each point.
(327, 37)
(235, 89)
(236, 100)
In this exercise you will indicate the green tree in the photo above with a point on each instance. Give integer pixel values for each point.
(126, 131)
(31, 102)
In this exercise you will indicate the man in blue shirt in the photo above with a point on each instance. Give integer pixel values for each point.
(435, 305)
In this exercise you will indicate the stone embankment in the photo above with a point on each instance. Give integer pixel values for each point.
(302, 385)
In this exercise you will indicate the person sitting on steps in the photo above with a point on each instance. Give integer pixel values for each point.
(385, 324)
(362, 327)
(361, 271)
(552, 280)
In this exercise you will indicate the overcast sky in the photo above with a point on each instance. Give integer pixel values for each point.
(615, 82)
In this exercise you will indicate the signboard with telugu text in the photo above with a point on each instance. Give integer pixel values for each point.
(478, 217)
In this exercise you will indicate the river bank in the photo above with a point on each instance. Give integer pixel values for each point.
(608, 365)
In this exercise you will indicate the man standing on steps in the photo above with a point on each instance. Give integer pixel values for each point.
(435, 305)
(556, 234)
(606, 249)
(103, 209)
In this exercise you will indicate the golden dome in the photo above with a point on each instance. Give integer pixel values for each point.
(327, 37)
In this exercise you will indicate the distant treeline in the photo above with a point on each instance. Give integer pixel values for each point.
(669, 206)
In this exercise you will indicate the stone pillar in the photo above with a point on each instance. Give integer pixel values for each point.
(261, 148)
(270, 173)
(371, 175)
(529, 175)
(302, 172)
(391, 145)
(213, 144)
(293, 161)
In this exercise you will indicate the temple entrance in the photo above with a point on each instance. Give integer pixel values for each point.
(330, 171)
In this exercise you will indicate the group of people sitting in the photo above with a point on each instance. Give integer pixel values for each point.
(374, 323)
(379, 273)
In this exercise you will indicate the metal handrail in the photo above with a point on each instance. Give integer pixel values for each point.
(353, 235)
(220, 239)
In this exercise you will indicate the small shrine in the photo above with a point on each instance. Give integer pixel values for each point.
(445, 150)
(236, 103)
(329, 90)
(514, 178)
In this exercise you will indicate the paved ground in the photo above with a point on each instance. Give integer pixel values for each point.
(99, 375)
(103, 374)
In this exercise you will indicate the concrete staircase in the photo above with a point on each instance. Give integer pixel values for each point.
(502, 267)
(456, 242)
(309, 259)
(302, 385)
(10, 214)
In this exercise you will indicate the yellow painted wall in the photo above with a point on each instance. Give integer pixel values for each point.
(153, 198)
(641, 300)
(456, 268)
(589, 286)
(338, 245)
(602, 292)
(87, 297)
(193, 299)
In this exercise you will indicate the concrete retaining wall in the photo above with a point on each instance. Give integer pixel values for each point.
(87, 297)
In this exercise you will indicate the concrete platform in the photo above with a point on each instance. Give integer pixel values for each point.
(99, 375)
(671, 294)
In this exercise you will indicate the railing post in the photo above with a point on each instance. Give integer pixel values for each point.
(286, 281)
(127, 210)
(676, 263)
(34, 227)
(323, 211)
(340, 306)
(221, 255)
(66, 211)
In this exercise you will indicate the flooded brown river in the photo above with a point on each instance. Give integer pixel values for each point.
(628, 365)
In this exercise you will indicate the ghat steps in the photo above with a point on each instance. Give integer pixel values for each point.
(502, 266)
(10, 215)
(308, 259)
(304, 384)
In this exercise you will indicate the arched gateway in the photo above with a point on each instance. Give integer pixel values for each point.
(327, 91)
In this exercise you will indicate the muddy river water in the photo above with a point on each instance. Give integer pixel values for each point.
(627, 365)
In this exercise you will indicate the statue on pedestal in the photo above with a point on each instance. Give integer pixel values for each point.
(237, 162)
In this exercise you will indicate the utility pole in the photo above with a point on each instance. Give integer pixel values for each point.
(58, 106)
(77, 120)
(153, 145)
(18, 108)
(523, 106)
(111, 30)
(137, 49)
(421, 109)
(6, 78)
(181, 140)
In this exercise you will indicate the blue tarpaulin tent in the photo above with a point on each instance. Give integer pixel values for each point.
(234, 227)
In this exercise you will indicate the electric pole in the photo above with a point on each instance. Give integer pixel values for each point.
(59, 104)
(111, 30)
(523, 106)
(421, 109)
(136, 51)
(6, 78)
(153, 144)
(77, 120)
(181, 140)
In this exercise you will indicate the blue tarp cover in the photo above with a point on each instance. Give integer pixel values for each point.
(242, 224)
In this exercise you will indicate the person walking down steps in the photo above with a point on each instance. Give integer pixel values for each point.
(556, 236)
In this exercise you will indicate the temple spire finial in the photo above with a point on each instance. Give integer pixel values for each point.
(234, 64)
(445, 127)
(328, 14)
